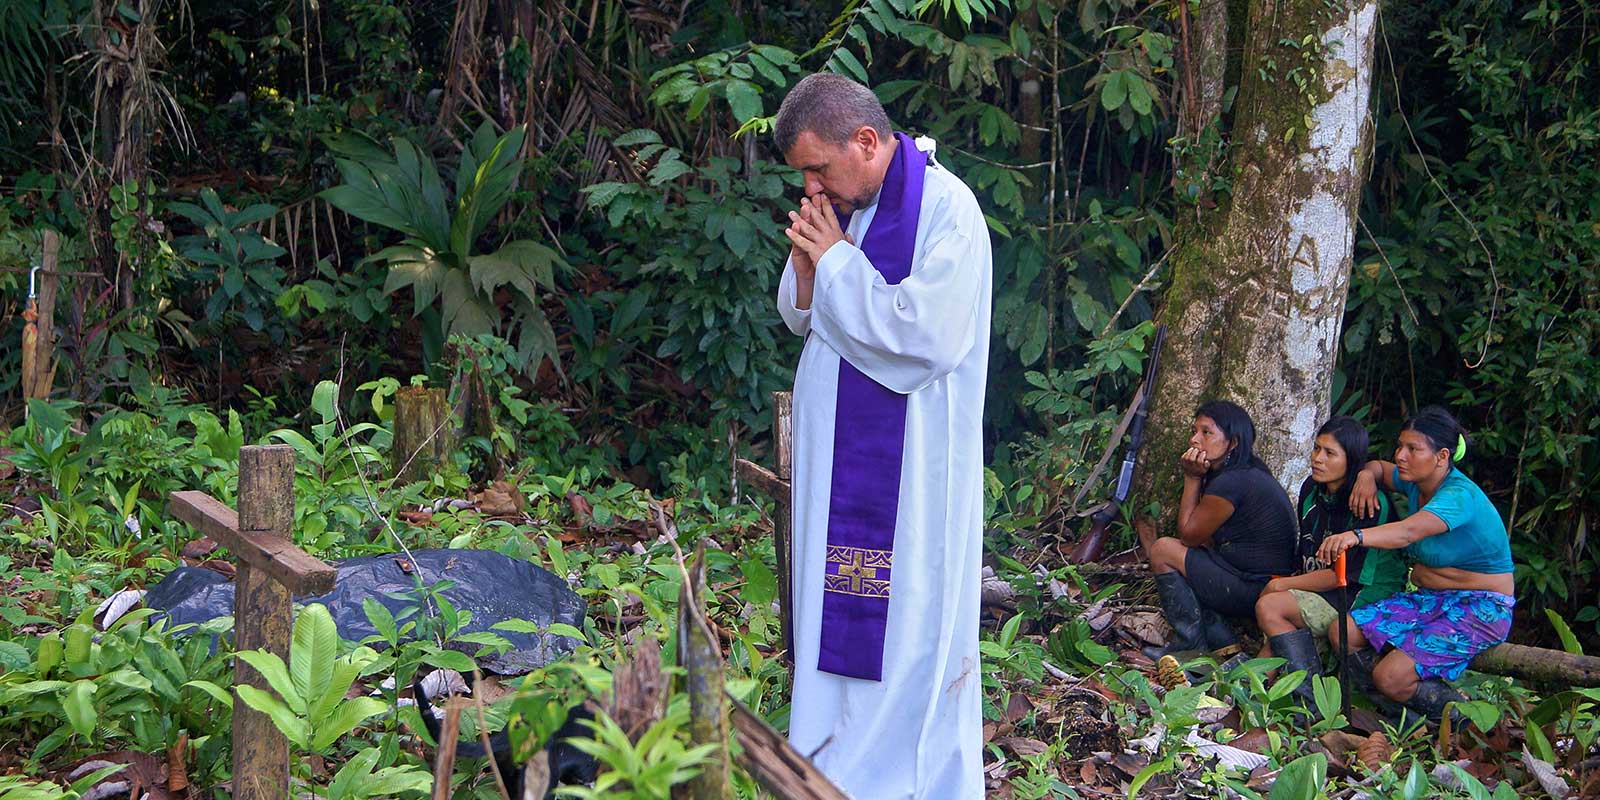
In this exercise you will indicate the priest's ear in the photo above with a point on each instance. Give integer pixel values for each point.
(867, 139)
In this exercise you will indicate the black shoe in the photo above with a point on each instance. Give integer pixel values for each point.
(1182, 610)
(1299, 649)
(1431, 699)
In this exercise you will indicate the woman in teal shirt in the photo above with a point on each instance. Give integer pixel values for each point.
(1463, 572)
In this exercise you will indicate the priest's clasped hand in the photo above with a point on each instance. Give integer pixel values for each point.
(813, 228)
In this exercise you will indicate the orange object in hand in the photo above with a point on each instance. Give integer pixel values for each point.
(1338, 568)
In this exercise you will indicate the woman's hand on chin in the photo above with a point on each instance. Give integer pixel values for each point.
(1194, 462)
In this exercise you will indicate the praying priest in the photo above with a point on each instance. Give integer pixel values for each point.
(888, 279)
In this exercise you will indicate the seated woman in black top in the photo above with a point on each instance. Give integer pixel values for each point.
(1236, 529)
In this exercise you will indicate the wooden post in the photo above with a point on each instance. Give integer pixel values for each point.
(777, 486)
(271, 569)
(36, 383)
(262, 614)
(423, 433)
(701, 655)
(783, 433)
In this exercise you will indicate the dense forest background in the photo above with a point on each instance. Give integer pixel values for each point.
(593, 221)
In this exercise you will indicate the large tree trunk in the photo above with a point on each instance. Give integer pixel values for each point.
(1259, 280)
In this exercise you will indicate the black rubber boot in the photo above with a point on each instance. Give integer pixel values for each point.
(1182, 610)
(1360, 666)
(1218, 633)
(1299, 649)
(1431, 699)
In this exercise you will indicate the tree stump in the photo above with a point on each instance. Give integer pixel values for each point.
(701, 655)
(423, 434)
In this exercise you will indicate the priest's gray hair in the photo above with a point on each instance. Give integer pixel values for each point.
(832, 107)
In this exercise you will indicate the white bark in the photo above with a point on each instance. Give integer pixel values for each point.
(1285, 377)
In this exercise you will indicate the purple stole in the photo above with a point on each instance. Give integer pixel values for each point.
(869, 440)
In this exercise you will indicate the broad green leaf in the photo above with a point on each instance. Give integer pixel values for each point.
(517, 626)
(846, 63)
(760, 585)
(1114, 91)
(1569, 642)
(739, 234)
(80, 708)
(744, 99)
(351, 781)
(325, 400)
(349, 714)
(1482, 713)
(1416, 783)
(537, 341)
(637, 137)
(1139, 97)
(463, 311)
(768, 70)
(217, 692)
(291, 725)
(449, 659)
(272, 668)
(312, 653)
(381, 618)
(1302, 779)
(563, 629)
(340, 676)
(1539, 744)
(14, 657)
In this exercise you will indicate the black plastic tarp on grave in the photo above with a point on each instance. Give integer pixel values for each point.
(492, 586)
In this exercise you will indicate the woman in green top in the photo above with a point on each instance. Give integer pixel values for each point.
(1292, 611)
(1466, 594)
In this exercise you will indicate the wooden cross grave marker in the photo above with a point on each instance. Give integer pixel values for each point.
(271, 570)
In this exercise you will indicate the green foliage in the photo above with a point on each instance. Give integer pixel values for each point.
(703, 247)
(440, 258)
(310, 707)
(642, 770)
(1473, 287)
(136, 685)
(247, 275)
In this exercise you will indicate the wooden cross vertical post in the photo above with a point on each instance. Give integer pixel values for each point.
(777, 486)
(271, 570)
(262, 612)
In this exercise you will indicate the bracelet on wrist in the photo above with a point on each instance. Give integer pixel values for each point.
(1360, 540)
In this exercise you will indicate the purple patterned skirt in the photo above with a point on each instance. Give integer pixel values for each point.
(1442, 630)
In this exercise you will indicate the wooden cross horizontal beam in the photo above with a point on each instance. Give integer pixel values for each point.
(298, 571)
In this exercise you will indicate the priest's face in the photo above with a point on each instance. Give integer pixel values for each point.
(849, 174)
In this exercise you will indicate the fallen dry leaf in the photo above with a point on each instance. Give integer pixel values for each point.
(1022, 746)
(582, 511)
(499, 499)
(420, 519)
(1254, 740)
(199, 548)
(1017, 707)
(1129, 764)
(1148, 626)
